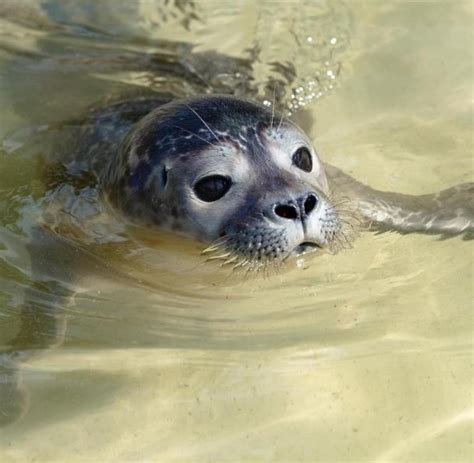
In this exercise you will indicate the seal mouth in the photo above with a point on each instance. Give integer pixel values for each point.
(304, 248)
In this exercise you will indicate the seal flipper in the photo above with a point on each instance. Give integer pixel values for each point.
(449, 212)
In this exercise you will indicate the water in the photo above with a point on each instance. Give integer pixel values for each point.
(361, 356)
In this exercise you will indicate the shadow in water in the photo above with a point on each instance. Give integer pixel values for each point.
(42, 319)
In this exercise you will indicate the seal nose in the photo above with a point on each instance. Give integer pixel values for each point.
(287, 211)
(299, 209)
(309, 203)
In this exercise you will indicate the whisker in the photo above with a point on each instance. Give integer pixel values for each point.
(273, 107)
(247, 272)
(195, 135)
(230, 260)
(203, 121)
(219, 257)
(239, 264)
(352, 227)
(279, 125)
(293, 124)
(347, 241)
(340, 202)
(348, 212)
(217, 244)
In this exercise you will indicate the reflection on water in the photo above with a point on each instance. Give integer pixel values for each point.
(359, 356)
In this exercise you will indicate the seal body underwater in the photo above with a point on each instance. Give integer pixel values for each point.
(237, 176)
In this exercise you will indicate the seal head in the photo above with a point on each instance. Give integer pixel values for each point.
(229, 172)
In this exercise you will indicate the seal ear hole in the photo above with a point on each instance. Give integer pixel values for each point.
(302, 159)
(164, 176)
(212, 187)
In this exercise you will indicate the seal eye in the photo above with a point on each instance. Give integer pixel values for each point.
(303, 160)
(212, 188)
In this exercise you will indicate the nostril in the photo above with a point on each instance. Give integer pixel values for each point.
(287, 212)
(310, 204)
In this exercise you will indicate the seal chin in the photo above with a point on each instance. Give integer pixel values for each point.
(305, 247)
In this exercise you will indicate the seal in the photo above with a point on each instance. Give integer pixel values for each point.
(235, 174)
(222, 168)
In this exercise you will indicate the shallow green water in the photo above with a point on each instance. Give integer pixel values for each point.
(361, 356)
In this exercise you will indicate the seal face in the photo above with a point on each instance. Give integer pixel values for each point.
(229, 172)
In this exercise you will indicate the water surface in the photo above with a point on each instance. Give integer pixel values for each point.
(361, 356)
